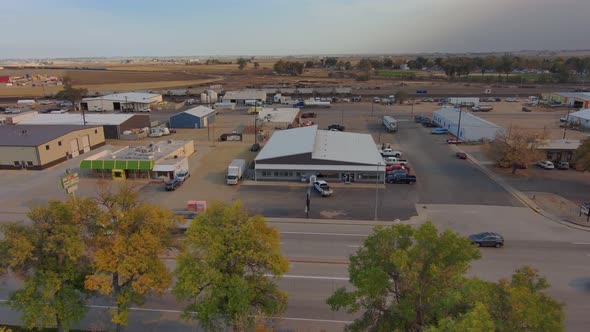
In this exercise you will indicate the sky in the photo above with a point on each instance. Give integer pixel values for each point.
(119, 28)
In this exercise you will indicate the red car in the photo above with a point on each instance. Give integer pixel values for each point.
(390, 168)
(307, 124)
(454, 141)
(461, 155)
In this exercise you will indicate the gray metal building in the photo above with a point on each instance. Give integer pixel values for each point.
(329, 155)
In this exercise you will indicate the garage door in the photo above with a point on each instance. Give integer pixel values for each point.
(74, 148)
(86, 143)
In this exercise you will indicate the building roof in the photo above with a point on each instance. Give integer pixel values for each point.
(245, 94)
(346, 147)
(76, 119)
(468, 120)
(560, 144)
(199, 111)
(323, 145)
(282, 115)
(289, 142)
(34, 135)
(578, 95)
(129, 97)
(582, 114)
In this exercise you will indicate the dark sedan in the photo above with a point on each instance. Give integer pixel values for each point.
(487, 239)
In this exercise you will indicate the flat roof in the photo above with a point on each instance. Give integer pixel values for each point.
(468, 120)
(582, 114)
(245, 94)
(34, 135)
(129, 97)
(578, 95)
(199, 111)
(326, 145)
(560, 144)
(145, 152)
(76, 119)
(278, 114)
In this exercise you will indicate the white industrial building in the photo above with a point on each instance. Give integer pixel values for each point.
(279, 118)
(244, 97)
(330, 155)
(471, 128)
(126, 102)
(581, 117)
(571, 99)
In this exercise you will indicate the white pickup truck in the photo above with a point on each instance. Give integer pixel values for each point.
(389, 152)
(395, 161)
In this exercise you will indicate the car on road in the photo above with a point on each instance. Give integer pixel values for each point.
(308, 115)
(336, 127)
(461, 155)
(173, 184)
(454, 141)
(487, 239)
(323, 188)
(255, 147)
(439, 131)
(399, 177)
(546, 164)
(183, 175)
(526, 109)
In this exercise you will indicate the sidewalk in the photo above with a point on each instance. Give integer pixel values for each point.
(305, 184)
(528, 201)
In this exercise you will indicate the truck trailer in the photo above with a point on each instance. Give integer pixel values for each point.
(235, 171)
(390, 123)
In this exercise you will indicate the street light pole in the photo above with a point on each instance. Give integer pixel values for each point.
(377, 190)
(412, 114)
(255, 128)
(459, 124)
(566, 122)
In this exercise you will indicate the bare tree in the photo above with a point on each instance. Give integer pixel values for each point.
(515, 148)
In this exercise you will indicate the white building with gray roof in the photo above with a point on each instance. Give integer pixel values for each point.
(330, 155)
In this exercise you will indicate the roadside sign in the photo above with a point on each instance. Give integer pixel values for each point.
(70, 182)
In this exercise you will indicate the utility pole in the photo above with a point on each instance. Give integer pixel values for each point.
(566, 123)
(412, 114)
(372, 107)
(255, 128)
(377, 190)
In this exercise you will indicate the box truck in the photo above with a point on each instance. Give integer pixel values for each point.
(235, 170)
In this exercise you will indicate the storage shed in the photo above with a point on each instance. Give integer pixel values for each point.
(465, 125)
(197, 117)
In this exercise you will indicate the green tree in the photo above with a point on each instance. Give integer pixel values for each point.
(330, 62)
(582, 156)
(71, 94)
(221, 270)
(242, 63)
(51, 256)
(365, 64)
(477, 319)
(504, 64)
(309, 64)
(404, 278)
(127, 238)
(388, 63)
(401, 96)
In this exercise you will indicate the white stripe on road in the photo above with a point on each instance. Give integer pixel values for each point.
(291, 276)
(353, 246)
(582, 243)
(329, 234)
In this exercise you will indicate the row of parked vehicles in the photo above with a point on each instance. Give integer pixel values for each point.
(546, 164)
(178, 180)
(396, 169)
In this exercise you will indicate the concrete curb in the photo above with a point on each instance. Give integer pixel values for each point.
(520, 195)
(344, 222)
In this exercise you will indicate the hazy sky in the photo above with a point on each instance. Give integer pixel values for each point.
(85, 28)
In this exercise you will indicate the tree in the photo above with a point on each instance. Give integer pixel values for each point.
(365, 64)
(404, 278)
(476, 320)
(401, 96)
(582, 156)
(127, 237)
(309, 64)
(288, 67)
(242, 63)
(388, 63)
(221, 270)
(51, 256)
(256, 65)
(330, 62)
(504, 64)
(515, 148)
(71, 94)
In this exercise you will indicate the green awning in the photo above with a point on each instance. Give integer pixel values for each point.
(143, 165)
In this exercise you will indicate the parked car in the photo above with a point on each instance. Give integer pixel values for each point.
(563, 165)
(308, 115)
(487, 239)
(173, 184)
(390, 168)
(419, 118)
(401, 178)
(461, 155)
(454, 141)
(307, 124)
(439, 131)
(336, 127)
(323, 188)
(255, 147)
(526, 109)
(546, 164)
(428, 123)
(183, 175)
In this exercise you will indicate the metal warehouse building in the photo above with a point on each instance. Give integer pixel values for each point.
(40, 147)
(127, 102)
(279, 118)
(572, 99)
(197, 117)
(581, 117)
(330, 155)
(240, 97)
(472, 128)
(114, 124)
